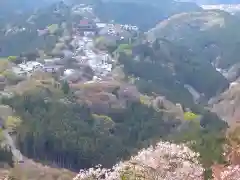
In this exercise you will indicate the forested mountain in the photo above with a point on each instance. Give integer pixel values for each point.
(17, 27)
(215, 31)
(144, 14)
(171, 68)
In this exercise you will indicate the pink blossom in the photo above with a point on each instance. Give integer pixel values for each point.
(165, 161)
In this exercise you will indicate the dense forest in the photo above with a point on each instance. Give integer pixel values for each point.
(180, 67)
(78, 138)
(15, 28)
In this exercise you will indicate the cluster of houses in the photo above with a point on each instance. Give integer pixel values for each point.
(81, 8)
(114, 29)
(100, 62)
(27, 68)
(84, 62)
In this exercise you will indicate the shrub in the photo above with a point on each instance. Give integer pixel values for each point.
(12, 123)
(190, 116)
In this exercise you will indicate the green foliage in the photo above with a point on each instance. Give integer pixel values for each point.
(65, 87)
(152, 77)
(28, 40)
(189, 116)
(11, 77)
(53, 28)
(1, 135)
(102, 117)
(12, 123)
(6, 156)
(218, 35)
(106, 44)
(12, 58)
(165, 68)
(207, 135)
(126, 48)
(4, 64)
(99, 40)
(70, 135)
(123, 47)
(208, 143)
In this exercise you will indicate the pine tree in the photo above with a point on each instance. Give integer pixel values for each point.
(65, 87)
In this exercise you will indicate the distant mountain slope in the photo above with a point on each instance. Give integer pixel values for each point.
(216, 1)
(10, 6)
(145, 14)
(211, 36)
(19, 27)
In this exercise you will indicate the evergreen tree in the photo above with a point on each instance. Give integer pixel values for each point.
(65, 87)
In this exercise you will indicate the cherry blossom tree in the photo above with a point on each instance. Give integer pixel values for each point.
(165, 161)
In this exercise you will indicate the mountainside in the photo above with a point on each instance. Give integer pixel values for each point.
(144, 14)
(227, 104)
(18, 26)
(171, 68)
(216, 34)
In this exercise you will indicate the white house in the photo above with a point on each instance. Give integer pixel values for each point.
(101, 25)
(68, 72)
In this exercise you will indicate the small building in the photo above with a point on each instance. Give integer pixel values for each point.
(87, 25)
(101, 25)
(53, 69)
(68, 72)
(42, 32)
(30, 65)
(52, 60)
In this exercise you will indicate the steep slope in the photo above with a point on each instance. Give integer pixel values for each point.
(13, 8)
(24, 4)
(227, 105)
(210, 35)
(166, 68)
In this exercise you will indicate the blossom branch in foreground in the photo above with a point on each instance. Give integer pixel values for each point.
(165, 161)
